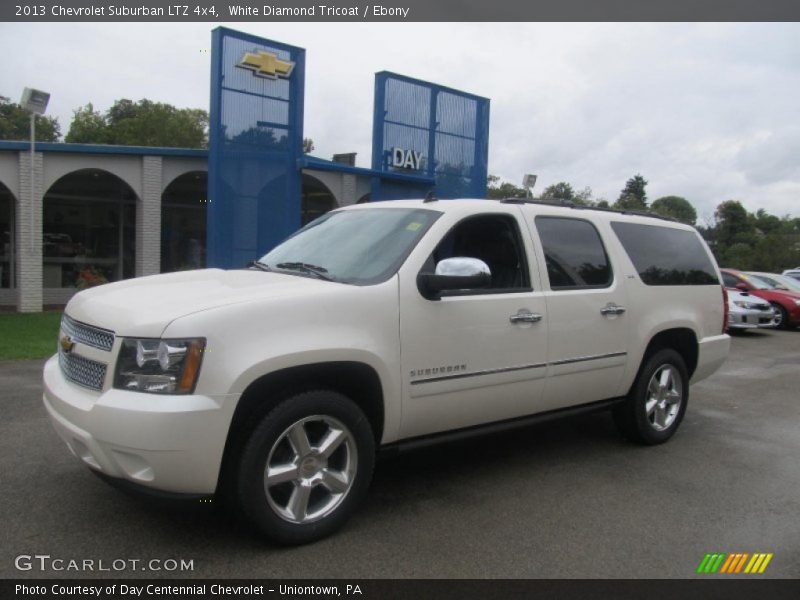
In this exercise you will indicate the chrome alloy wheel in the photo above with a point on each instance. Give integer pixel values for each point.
(664, 397)
(310, 469)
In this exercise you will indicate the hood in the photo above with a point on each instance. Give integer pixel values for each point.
(146, 305)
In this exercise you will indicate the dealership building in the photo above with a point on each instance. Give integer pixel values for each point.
(79, 215)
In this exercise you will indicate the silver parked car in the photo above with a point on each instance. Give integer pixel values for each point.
(748, 312)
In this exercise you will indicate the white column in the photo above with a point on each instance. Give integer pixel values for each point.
(29, 234)
(348, 196)
(148, 218)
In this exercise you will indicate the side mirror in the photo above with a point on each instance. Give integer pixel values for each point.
(458, 273)
(742, 286)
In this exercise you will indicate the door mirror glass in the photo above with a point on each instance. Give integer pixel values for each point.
(457, 273)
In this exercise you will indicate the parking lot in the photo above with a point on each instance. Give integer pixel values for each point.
(563, 499)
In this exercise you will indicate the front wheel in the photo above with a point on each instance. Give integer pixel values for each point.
(306, 467)
(657, 401)
(781, 320)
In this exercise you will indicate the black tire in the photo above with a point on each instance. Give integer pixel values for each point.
(272, 510)
(781, 316)
(632, 417)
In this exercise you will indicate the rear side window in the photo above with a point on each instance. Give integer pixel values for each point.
(574, 254)
(666, 256)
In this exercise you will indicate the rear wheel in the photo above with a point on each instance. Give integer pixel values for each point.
(657, 401)
(306, 467)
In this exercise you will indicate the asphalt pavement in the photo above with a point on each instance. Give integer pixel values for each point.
(564, 499)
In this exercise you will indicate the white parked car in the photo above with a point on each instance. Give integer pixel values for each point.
(748, 312)
(382, 326)
(793, 273)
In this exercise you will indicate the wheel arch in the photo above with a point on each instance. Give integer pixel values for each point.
(681, 339)
(357, 380)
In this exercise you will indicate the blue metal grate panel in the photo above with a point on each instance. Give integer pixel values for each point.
(449, 129)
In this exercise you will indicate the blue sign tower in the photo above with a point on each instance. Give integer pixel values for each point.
(255, 142)
(421, 128)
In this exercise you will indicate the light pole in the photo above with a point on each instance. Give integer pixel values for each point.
(528, 181)
(35, 102)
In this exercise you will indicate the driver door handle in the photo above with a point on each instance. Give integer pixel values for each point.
(612, 309)
(525, 317)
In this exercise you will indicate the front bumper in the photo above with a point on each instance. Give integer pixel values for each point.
(169, 443)
(750, 319)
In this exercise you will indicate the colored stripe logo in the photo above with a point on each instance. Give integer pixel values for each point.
(734, 563)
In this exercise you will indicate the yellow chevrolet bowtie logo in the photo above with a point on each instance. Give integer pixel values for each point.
(266, 64)
(66, 344)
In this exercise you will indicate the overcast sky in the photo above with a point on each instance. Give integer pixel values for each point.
(705, 111)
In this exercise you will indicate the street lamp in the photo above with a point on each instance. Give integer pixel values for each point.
(528, 181)
(35, 102)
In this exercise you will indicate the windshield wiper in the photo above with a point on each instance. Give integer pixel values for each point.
(319, 272)
(259, 265)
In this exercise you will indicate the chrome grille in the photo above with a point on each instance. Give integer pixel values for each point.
(87, 334)
(81, 370)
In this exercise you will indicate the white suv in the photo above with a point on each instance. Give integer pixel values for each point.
(382, 326)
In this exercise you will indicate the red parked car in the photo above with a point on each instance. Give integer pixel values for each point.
(786, 303)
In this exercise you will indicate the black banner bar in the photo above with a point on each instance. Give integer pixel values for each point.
(400, 10)
(387, 589)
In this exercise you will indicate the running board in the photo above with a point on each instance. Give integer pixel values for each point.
(455, 435)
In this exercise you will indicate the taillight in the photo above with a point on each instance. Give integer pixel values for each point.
(724, 309)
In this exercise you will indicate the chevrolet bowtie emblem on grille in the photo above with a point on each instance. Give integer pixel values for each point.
(267, 65)
(66, 344)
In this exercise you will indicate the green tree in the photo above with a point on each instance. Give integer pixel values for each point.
(88, 126)
(561, 191)
(633, 195)
(584, 197)
(142, 123)
(765, 222)
(15, 124)
(498, 190)
(676, 207)
(732, 224)
(308, 145)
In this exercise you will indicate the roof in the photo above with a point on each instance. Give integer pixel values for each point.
(12, 145)
(541, 207)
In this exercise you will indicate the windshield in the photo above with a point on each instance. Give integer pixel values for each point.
(757, 282)
(780, 281)
(361, 246)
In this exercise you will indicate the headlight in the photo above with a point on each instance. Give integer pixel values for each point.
(159, 366)
(743, 304)
(797, 302)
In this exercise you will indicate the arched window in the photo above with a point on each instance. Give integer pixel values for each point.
(88, 230)
(7, 246)
(183, 222)
(317, 199)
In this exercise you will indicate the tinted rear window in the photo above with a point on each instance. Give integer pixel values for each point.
(666, 256)
(574, 254)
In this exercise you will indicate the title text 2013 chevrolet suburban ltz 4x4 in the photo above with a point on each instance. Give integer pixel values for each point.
(378, 326)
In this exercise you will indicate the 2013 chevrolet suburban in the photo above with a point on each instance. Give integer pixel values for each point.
(380, 326)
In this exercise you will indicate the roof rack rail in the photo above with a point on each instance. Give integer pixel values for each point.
(568, 204)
